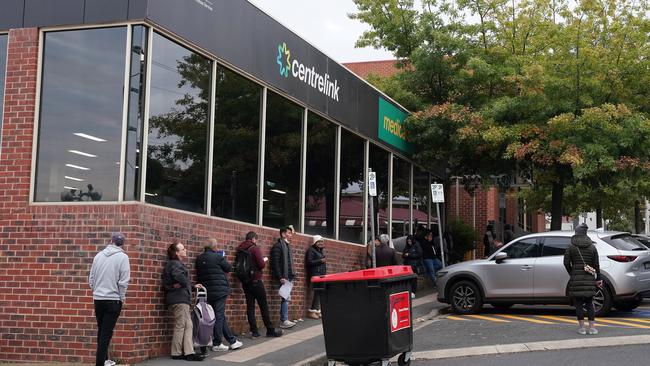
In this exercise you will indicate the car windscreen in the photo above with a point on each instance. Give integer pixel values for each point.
(624, 242)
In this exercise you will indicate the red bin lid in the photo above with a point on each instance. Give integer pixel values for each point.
(366, 274)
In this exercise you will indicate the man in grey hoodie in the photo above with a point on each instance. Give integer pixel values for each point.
(109, 278)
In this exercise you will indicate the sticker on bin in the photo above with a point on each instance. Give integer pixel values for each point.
(400, 311)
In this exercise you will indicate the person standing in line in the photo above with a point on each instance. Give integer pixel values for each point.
(385, 255)
(488, 240)
(282, 269)
(254, 289)
(581, 262)
(450, 256)
(430, 256)
(211, 269)
(316, 266)
(412, 256)
(178, 298)
(109, 278)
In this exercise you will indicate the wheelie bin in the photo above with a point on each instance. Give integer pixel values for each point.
(367, 315)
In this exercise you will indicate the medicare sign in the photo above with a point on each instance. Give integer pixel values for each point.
(391, 126)
(308, 75)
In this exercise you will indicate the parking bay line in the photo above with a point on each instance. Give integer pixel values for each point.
(617, 322)
(452, 317)
(483, 317)
(531, 320)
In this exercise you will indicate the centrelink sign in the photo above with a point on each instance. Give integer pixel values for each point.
(308, 75)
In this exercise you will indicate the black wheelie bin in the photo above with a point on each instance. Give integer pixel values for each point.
(367, 315)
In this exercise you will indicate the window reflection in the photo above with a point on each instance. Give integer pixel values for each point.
(319, 198)
(282, 162)
(401, 198)
(379, 164)
(236, 147)
(421, 200)
(178, 127)
(137, 88)
(3, 68)
(351, 216)
(80, 125)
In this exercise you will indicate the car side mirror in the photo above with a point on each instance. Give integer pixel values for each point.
(501, 256)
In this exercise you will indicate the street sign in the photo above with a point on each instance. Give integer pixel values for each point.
(372, 184)
(437, 193)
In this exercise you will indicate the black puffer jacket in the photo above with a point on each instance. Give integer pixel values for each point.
(176, 273)
(314, 261)
(581, 283)
(211, 269)
(412, 255)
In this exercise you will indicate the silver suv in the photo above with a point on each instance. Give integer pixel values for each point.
(530, 270)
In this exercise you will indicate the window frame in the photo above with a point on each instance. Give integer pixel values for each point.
(537, 244)
(3, 87)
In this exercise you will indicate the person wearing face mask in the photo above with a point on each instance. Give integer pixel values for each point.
(316, 266)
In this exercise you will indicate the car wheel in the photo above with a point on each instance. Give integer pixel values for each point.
(465, 298)
(602, 301)
(502, 306)
(628, 305)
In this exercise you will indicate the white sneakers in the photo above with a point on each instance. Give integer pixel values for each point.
(593, 331)
(109, 363)
(582, 331)
(236, 345)
(220, 348)
(287, 324)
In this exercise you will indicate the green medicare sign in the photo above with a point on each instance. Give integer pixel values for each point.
(391, 126)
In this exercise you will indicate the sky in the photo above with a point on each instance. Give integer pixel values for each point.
(331, 30)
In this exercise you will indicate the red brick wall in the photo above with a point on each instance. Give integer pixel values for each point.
(464, 201)
(46, 311)
(363, 69)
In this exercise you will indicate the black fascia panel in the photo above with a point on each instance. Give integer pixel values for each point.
(11, 14)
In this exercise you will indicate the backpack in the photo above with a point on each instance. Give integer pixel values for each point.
(203, 319)
(243, 265)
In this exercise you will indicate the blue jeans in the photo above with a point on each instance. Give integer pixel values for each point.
(284, 309)
(221, 328)
(432, 266)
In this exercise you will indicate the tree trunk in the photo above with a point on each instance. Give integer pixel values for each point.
(637, 217)
(599, 216)
(556, 204)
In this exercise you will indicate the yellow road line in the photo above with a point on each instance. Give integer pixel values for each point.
(525, 319)
(608, 321)
(482, 317)
(574, 321)
(457, 318)
(635, 320)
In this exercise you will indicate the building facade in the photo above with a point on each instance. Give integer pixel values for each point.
(170, 119)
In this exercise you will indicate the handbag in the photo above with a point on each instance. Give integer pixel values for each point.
(587, 268)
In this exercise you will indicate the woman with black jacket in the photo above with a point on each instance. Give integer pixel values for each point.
(412, 256)
(316, 266)
(581, 262)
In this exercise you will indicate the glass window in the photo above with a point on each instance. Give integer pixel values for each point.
(401, 197)
(379, 163)
(3, 68)
(555, 245)
(282, 162)
(351, 211)
(178, 126)
(80, 125)
(236, 149)
(624, 242)
(526, 248)
(421, 200)
(135, 119)
(321, 159)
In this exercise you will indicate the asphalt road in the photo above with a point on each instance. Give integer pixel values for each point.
(603, 356)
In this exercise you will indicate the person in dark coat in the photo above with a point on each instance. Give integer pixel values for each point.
(582, 285)
(316, 266)
(412, 256)
(178, 298)
(508, 234)
(488, 240)
(384, 254)
(211, 269)
(282, 270)
(430, 255)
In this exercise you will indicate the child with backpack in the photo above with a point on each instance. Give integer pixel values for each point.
(248, 267)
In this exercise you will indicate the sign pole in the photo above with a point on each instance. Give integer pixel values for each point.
(372, 191)
(438, 196)
(442, 250)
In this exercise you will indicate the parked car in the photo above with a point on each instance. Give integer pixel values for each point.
(530, 270)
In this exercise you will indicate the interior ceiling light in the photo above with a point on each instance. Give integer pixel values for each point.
(77, 167)
(278, 191)
(68, 187)
(73, 178)
(82, 153)
(89, 137)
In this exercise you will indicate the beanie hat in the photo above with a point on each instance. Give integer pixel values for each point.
(582, 229)
(117, 239)
(316, 239)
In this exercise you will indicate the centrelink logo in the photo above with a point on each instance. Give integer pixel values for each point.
(306, 74)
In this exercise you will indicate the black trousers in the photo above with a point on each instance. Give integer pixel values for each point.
(315, 298)
(255, 291)
(106, 313)
(587, 303)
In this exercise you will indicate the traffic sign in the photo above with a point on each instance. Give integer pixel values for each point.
(437, 193)
(372, 184)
